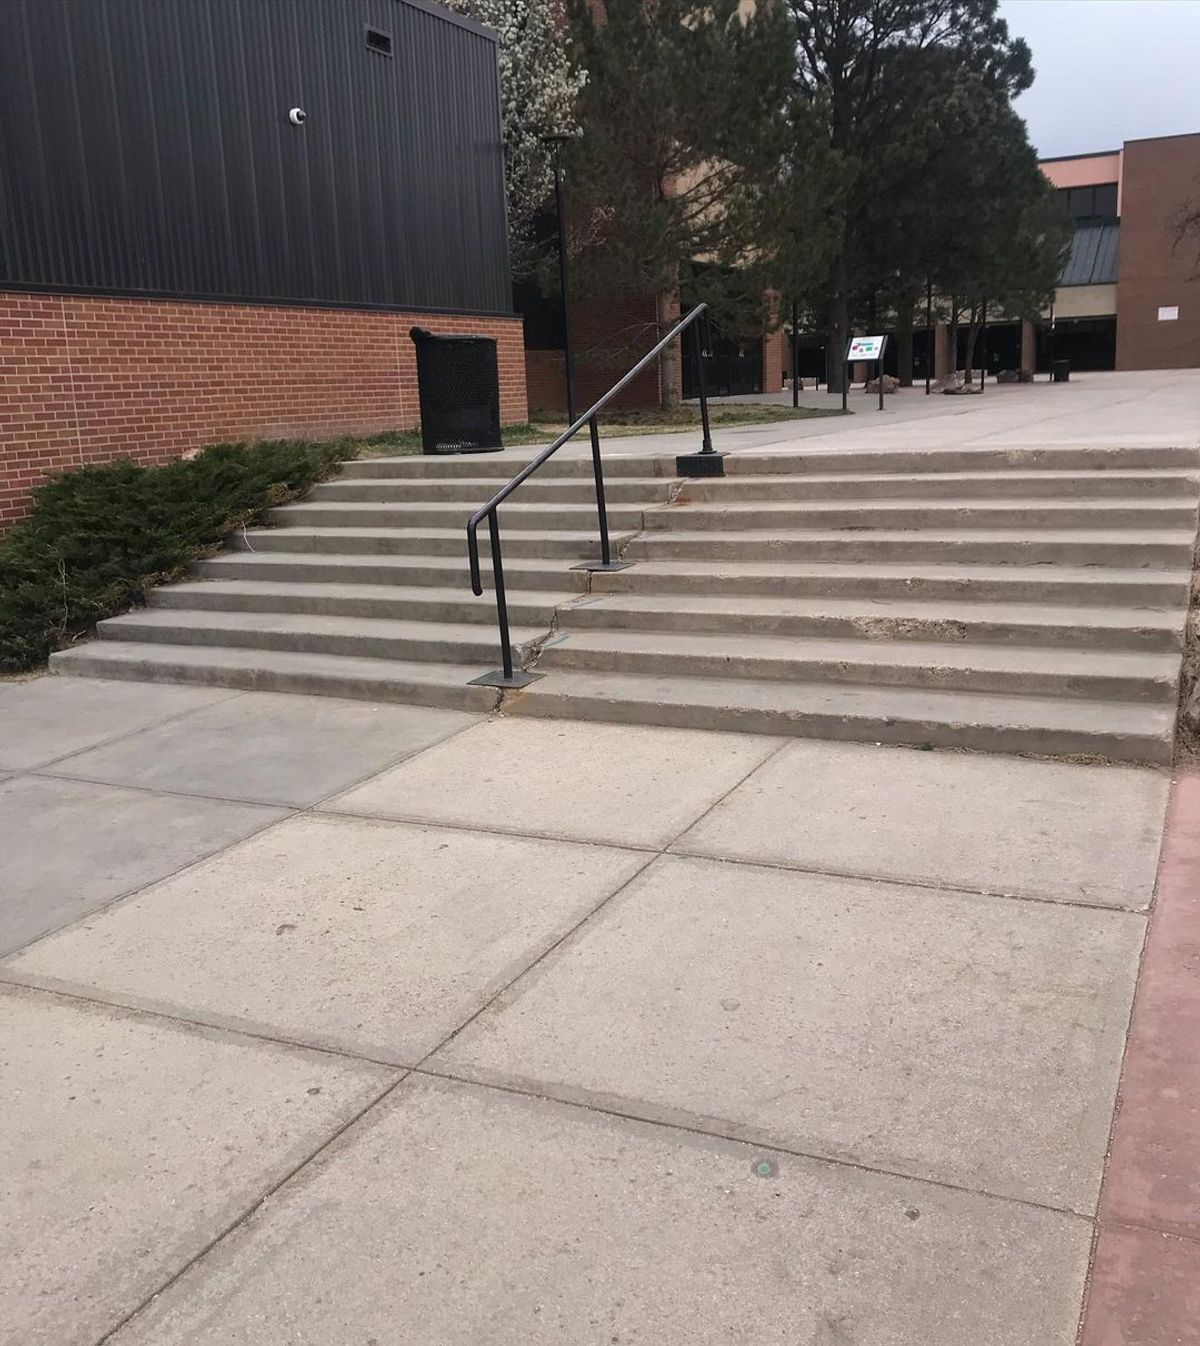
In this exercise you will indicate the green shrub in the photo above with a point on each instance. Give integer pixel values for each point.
(97, 538)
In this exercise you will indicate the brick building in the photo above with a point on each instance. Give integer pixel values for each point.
(223, 223)
(1129, 297)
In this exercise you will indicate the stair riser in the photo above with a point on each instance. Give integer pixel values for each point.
(531, 492)
(1094, 487)
(788, 519)
(896, 587)
(848, 729)
(314, 572)
(862, 547)
(544, 548)
(468, 609)
(1063, 458)
(597, 617)
(448, 697)
(565, 465)
(865, 672)
(568, 518)
(485, 652)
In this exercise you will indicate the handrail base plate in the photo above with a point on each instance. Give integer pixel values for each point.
(497, 679)
(602, 565)
(700, 465)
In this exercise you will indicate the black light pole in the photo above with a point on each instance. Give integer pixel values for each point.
(795, 355)
(558, 140)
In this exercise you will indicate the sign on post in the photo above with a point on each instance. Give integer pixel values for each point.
(865, 350)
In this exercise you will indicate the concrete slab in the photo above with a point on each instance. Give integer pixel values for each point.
(69, 847)
(50, 717)
(622, 784)
(131, 1144)
(973, 1040)
(458, 1216)
(375, 937)
(269, 747)
(1003, 825)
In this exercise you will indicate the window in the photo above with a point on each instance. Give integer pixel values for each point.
(379, 41)
(1090, 203)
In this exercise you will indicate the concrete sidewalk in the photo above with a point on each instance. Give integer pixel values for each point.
(335, 1023)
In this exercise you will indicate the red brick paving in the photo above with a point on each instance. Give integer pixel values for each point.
(1145, 1287)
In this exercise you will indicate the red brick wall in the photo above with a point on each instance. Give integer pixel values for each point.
(608, 336)
(1159, 177)
(86, 379)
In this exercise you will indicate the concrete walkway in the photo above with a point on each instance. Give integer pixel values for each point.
(344, 1024)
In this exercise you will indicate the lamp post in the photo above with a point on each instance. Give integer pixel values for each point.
(557, 140)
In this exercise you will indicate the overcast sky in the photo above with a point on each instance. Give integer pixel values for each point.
(1108, 70)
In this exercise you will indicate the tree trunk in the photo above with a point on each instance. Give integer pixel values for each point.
(904, 340)
(668, 361)
(839, 330)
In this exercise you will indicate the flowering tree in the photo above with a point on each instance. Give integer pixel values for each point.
(539, 87)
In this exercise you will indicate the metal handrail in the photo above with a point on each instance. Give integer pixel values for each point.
(507, 678)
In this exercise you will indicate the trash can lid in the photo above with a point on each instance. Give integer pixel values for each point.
(424, 334)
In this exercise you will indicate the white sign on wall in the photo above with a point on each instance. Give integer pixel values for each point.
(1169, 314)
(865, 348)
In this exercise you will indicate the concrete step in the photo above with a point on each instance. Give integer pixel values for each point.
(434, 514)
(413, 684)
(570, 545)
(1054, 671)
(410, 603)
(907, 514)
(1125, 549)
(787, 457)
(1046, 583)
(1122, 483)
(468, 493)
(1060, 457)
(313, 633)
(574, 460)
(440, 571)
(985, 722)
(1091, 627)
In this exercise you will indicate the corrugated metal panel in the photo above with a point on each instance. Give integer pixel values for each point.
(145, 148)
(1093, 256)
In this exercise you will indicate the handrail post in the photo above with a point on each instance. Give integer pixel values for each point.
(606, 561)
(501, 599)
(601, 509)
(507, 677)
(706, 444)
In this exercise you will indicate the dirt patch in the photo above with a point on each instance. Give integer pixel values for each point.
(908, 628)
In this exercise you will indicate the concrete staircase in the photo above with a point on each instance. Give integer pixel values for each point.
(1025, 601)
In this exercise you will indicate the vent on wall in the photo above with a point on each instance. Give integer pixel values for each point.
(379, 41)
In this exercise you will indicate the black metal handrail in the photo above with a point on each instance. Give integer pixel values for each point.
(507, 677)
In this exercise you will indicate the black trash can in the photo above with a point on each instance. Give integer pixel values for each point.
(458, 383)
(1060, 371)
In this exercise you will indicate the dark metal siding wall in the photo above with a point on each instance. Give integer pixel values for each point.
(145, 148)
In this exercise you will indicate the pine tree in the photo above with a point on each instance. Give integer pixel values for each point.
(679, 118)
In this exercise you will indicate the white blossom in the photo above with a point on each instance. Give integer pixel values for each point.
(538, 88)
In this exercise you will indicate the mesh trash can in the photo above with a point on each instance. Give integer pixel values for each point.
(458, 383)
(1060, 371)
